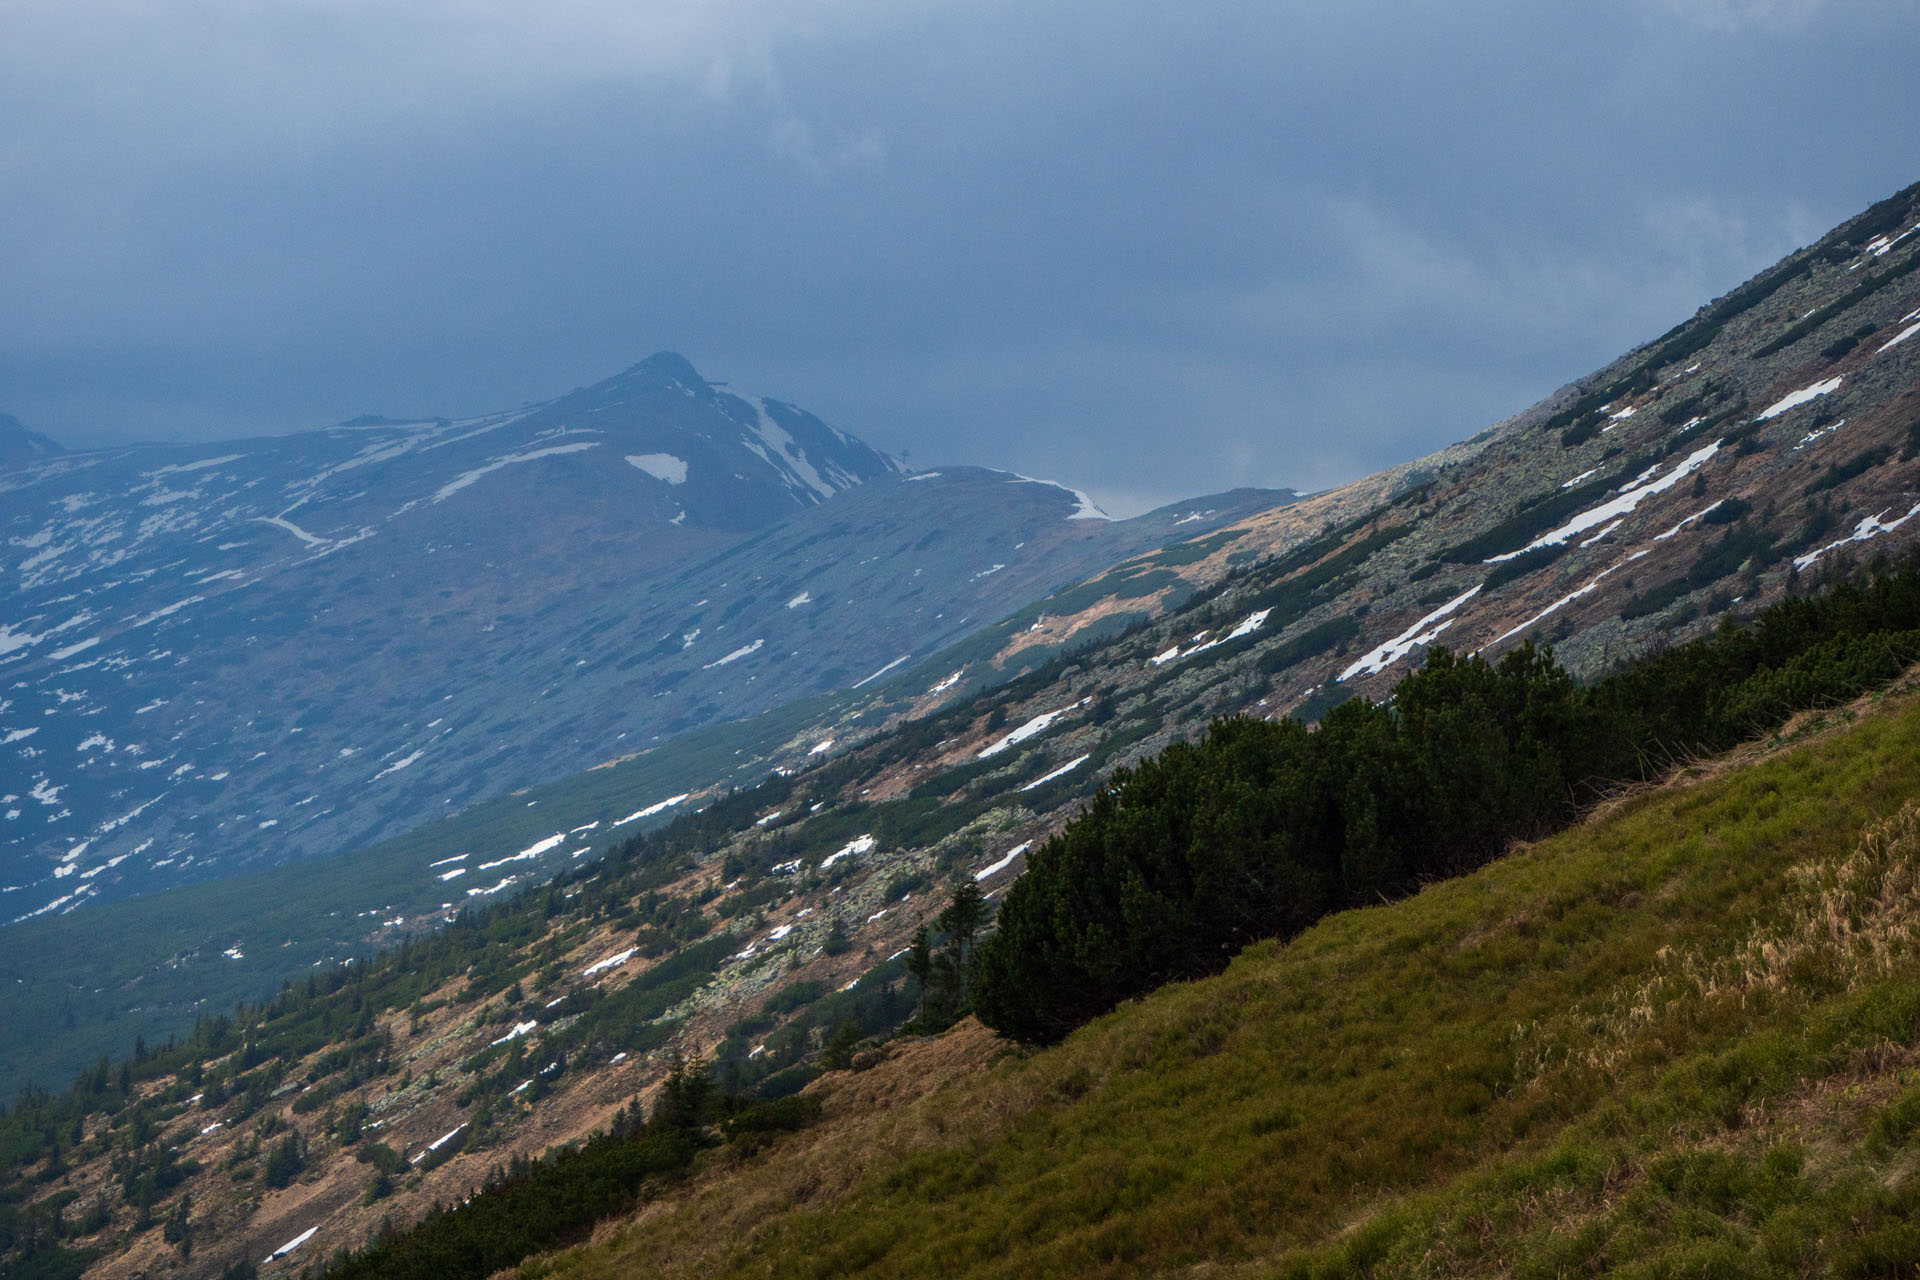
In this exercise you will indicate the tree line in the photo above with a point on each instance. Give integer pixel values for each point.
(1261, 828)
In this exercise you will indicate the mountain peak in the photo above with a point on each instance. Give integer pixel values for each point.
(666, 366)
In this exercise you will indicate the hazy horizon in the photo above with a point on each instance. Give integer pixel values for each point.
(1151, 255)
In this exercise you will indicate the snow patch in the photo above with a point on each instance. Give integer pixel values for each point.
(1250, 624)
(1818, 433)
(653, 809)
(466, 478)
(398, 765)
(1620, 506)
(1086, 508)
(1032, 728)
(882, 671)
(492, 889)
(296, 1242)
(736, 655)
(1804, 395)
(1900, 337)
(661, 466)
(1425, 631)
(1006, 860)
(165, 611)
(531, 851)
(1569, 598)
(1662, 537)
(1061, 772)
(281, 522)
(852, 849)
(1869, 527)
(786, 455)
(611, 962)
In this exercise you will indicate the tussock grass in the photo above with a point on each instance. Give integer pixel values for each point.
(1679, 1040)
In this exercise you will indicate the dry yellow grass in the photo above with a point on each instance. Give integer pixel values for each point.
(1669, 1034)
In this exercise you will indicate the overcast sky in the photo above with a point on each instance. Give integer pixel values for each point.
(1150, 249)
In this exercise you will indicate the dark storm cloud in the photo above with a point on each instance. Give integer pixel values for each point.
(1151, 249)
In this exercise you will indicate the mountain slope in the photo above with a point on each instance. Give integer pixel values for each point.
(1774, 433)
(378, 1090)
(756, 929)
(228, 657)
(1635, 1043)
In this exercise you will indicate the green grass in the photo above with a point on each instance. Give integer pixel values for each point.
(1679, 1041)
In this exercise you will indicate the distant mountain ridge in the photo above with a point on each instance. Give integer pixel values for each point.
(226, 656)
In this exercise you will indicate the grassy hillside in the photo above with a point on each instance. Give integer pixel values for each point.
(1680, 1039)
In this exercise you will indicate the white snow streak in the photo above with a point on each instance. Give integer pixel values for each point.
(464, 479)
(1032, 728)
(293, 1244)
(611, 962)
(1900, 337)
(882, 671)
(736, 655)
(1425, 631)
(1868, 528)
(852, 849)
(1006, 860)
(398, 765)
(281, 522)
(1623, 504)
(531, 851)
(1662, 537)
(1568, 599)
(1795, 399)
(1061, 772)
(652, 809)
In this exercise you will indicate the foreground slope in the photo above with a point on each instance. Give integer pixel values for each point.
(765, 935)
(1679, 1038)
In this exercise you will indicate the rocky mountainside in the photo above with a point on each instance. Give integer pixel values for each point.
(224, 657)
(1774, 434)
(1752, 452)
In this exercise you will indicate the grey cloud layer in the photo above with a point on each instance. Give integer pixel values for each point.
(1156, 249)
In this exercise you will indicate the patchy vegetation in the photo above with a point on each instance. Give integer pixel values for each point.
(1676, 1040)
